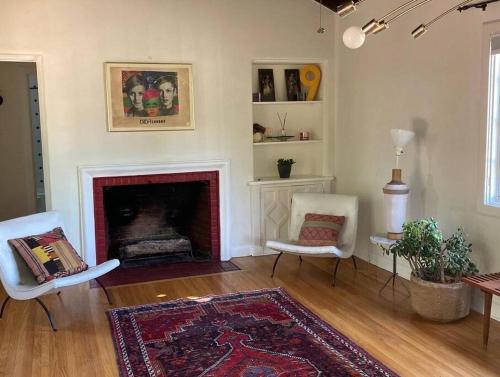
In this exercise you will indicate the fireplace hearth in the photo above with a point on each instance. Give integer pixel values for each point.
(212, 231)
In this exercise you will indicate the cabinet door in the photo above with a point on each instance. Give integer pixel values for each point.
(275, 210)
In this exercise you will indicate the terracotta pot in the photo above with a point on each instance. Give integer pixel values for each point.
(440, 302)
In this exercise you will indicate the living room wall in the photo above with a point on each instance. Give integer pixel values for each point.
(219, 37)
(432, 86)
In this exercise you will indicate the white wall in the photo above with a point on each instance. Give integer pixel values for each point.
(433, 86)
(17, 185)
(220, 38)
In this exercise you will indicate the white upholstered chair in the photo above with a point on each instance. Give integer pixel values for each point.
(325, 204)
(18, 280)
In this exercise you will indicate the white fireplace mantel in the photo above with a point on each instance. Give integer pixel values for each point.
(86, 174)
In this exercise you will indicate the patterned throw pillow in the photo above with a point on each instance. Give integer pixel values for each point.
(321, 230)
(49, 255)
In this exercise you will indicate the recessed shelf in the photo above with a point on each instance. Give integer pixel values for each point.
(288, 103)
(287, 142)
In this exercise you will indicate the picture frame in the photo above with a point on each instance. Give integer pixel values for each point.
(149, 97)
(292, 83)
(266, 85)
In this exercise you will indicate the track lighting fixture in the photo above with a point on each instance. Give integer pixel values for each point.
(354, 37)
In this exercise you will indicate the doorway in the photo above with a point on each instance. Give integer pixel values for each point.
(22, 185)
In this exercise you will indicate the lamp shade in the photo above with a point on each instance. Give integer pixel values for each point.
(401, 137)
(354, 37)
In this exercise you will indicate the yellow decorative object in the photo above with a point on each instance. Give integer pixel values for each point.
(310, 77)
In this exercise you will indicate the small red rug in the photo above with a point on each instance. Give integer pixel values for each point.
(263, 333)
(132, 275)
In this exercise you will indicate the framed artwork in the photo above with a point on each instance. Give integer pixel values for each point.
(292, 81)
(149, 97)
(266, 85)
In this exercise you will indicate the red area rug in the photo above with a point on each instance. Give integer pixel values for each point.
(254, 334)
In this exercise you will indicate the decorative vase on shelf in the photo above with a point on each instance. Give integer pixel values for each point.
(396, 191)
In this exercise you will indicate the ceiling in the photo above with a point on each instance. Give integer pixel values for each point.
(332, 4)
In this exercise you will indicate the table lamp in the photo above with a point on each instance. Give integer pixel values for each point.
(396, 191)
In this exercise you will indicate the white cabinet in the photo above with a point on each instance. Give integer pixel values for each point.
(270, 206)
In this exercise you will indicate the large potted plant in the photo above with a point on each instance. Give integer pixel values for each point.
(437, 266)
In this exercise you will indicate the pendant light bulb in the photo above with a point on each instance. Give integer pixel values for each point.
(354, 37)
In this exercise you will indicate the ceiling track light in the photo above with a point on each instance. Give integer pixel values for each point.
(345, 9)
(375, 27)
(354, 37)
(422, 29)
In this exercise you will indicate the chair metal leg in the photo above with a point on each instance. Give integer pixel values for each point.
(300, 259)
(3, 305)
(354, 261)
(275, 263)
(48, 314)
(335, 271)
(105, 291)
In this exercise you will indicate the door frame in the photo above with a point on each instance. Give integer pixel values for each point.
(38, 60)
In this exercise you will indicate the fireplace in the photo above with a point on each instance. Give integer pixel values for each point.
(161, 218)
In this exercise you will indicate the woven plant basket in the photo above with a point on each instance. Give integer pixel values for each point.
(440, 302)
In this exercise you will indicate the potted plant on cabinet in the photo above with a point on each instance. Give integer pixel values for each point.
(285, 167)
(437, 266)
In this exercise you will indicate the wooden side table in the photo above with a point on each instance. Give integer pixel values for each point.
(382, 241)
(490, 285)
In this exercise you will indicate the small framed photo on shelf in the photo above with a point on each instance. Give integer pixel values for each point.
(149, 96)
(292, 82)
(266, 85)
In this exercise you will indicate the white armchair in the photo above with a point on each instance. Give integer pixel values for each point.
(18, 280)
(326, 204)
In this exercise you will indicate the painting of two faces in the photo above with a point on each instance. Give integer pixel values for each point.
(150, 94)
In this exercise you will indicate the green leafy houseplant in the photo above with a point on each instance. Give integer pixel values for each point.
(285, 161)
(431, 257)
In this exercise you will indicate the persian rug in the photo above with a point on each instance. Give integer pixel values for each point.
(262, 333)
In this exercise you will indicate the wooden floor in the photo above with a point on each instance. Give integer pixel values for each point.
(384, 325)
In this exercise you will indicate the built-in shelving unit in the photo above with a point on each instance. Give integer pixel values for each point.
(270, 196)
(309, 116)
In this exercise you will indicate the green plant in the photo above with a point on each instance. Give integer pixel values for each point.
(285, 161)
(431, 257)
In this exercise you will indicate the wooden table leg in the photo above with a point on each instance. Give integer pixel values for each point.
(487, 315)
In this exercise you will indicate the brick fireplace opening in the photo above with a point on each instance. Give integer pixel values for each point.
(159, 226)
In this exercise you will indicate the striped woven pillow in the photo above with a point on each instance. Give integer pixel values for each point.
(49, 255)
(321, 230)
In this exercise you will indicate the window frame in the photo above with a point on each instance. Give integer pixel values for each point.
(489, 177)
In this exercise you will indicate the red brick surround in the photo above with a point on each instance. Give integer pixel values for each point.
(213, 221)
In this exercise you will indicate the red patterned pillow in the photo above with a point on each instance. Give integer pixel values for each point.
(49, 255)
(321, 230)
